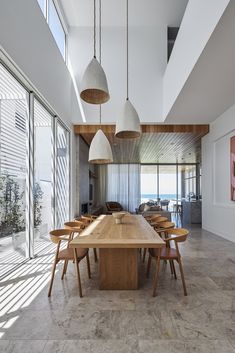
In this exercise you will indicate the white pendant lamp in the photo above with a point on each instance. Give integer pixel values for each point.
(128, 125)
(94, 86)
(100, 151)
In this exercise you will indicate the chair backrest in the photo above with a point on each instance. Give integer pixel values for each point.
(159, 220)
(153, 217)
(75, 226)
(90, 216)
(164, 225)
(86, 219)
(179, 235)
(113, 205)
(57, 235)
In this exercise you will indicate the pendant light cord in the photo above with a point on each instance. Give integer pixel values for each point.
(94, 28)
(127, 49)
(100, 22)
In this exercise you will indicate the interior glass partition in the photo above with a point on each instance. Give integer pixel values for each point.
(167, 187)
(42, 188)
(14, 117)
(168, 184)
(149, 183)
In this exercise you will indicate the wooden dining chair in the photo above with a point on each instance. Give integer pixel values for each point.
(161, 227)
(86, 221)
(159, 224)
(176, 235)
(57, 237)
(157, 220)
(150, 218)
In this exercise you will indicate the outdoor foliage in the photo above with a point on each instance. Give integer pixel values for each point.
(12, 206)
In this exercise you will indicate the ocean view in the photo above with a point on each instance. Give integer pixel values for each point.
(146, 197)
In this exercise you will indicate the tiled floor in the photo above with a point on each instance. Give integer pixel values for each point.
(124, 321)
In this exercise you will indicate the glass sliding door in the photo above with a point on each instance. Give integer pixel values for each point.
(42, 187)
(14, 117)
(167, 186)
(149, 183)
(62, 176)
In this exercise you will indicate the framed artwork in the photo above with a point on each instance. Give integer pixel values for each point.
(232, 164)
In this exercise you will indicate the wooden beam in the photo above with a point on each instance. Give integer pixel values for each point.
(161, 128)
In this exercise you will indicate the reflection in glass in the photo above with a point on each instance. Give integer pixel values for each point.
(42, 189)
(13, 168)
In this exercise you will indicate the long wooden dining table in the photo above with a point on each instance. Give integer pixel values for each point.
(118, 246)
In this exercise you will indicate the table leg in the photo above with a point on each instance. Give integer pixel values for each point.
(118, 268)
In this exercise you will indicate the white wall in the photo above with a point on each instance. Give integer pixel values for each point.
(28, 41)
(199, 22)
(147, 59)
(218, 211)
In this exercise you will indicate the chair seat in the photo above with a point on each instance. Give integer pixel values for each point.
(68, 254)
(166, 253)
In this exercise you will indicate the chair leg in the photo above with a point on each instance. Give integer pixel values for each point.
(173, 266)
(155, 281)
(88, 266)
(52, 277)
(148, 265)
(95, 255)
(182, 276)
(144, 254)
(64, 269)
(78, 272)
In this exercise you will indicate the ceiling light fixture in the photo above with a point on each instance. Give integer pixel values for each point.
(100, 151)
(94, 86)
(128, 125)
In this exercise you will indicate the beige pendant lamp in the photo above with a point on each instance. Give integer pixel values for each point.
(94, 86)
(128, 125)
(100, 151)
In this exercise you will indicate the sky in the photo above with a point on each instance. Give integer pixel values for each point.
(167, 184)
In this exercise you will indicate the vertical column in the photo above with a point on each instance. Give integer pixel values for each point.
(54, 168)
(30, 179)
(197, 180)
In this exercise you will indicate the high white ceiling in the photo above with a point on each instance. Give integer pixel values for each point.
(147, 51)
(79, 13)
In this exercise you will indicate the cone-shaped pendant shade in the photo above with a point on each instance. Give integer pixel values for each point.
(100, 151)
(128, 125)
(94, 86)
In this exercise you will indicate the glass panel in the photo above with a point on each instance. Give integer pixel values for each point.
(56, 27)
(62, 176)
(149, 183)
(13, 167)
(42, 4)
(167, 186)
(190, 181)
(42, 191)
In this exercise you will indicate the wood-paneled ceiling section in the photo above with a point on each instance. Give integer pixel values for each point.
(157, 144)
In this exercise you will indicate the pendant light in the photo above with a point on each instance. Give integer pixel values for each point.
(128, 125)
(100, 151)
(94, 86)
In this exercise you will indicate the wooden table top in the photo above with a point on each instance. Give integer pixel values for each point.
(133, 232)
